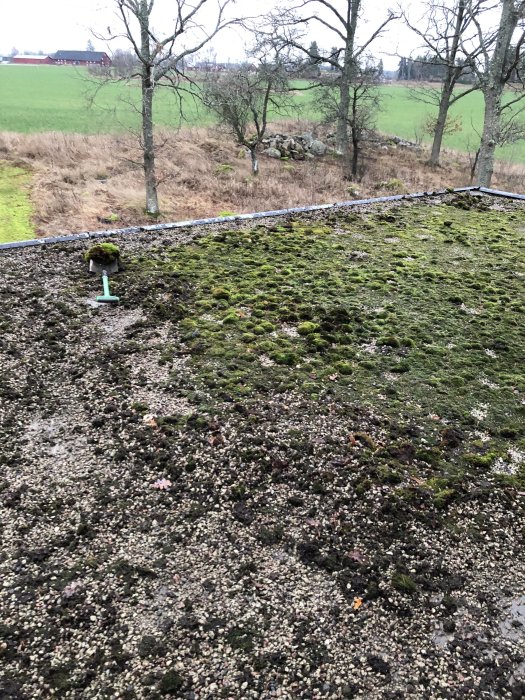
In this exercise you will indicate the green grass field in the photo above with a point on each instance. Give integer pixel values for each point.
(51, 98)
(63, 98)
(402, 116)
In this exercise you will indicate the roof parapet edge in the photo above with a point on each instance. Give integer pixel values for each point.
(86, 235)
(501, 193)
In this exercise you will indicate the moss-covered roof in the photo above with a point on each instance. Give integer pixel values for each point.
(291, 460)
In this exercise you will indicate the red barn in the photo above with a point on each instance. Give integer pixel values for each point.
(80, 58)
(32, 60)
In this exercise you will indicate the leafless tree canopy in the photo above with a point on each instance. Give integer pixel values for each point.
(448, 35)
(241, 100)
(497, 63)
(160, 58)
(348, 57)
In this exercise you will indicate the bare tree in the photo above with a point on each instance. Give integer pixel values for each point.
(124, 63)
(511, 129)
(446, 31)
(499, 61)
(160, 58)
(241, 100)
(364, 104)
(341, 19)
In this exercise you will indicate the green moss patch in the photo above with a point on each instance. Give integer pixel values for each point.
(102, 253)
(382, 308)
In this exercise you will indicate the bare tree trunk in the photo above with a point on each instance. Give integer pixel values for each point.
(355, 134)
(148, 145)
(473, 166)
(489, 138)
(355, 152)
(255, 162)
(343, 113)
(444, 104)
(342, 116)
(147, 84)
(498, 71)
(343, 141)
(345, 82)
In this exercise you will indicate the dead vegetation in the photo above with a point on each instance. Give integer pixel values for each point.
(85, 182)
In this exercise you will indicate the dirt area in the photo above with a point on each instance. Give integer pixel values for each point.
(289, 464)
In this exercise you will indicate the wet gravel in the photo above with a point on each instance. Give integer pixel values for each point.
(231, 553)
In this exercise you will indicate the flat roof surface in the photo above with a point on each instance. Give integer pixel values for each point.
(289, 463)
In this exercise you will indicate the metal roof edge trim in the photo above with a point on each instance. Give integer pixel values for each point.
(501, 193)
(86, 235)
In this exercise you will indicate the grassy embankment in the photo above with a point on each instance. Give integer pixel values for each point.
(86, 182)
(15, 205)
(49, 98)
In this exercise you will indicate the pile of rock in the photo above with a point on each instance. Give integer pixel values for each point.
(302, 147)
(307, 146)
(385, 142)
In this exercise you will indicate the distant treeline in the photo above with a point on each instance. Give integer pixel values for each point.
(429, 69)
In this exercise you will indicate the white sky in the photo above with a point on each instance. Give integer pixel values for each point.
(50, 25)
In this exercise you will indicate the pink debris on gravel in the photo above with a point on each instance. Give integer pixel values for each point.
(162, 484)
(71, 588)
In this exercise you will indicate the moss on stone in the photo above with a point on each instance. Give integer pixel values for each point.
(103, 253)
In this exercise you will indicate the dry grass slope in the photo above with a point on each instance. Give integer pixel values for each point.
(91, 182)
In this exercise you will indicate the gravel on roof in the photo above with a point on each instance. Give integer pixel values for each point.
(164, 538)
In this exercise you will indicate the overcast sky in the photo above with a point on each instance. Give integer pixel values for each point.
(50, 25)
